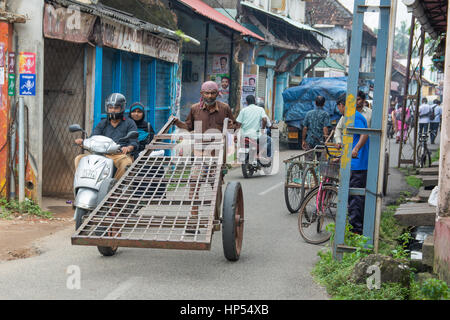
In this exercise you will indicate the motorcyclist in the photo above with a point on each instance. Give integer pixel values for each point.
(116, 126)
(252, 120)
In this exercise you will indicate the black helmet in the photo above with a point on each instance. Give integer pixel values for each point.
(115, 99)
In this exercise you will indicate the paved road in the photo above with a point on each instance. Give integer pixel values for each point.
(275, 262)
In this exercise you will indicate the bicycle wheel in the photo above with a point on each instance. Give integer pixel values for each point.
(420, 151)
(425, 159)
(318, 210)
(309, 181)
(292, 189)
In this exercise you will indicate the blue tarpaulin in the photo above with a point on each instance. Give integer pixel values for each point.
(300, 99)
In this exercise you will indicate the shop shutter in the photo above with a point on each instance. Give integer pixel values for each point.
(262, 76)
(163, 93)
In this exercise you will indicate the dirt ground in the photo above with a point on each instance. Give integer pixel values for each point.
(18, 236)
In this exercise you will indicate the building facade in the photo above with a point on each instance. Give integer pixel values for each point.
(83, 52)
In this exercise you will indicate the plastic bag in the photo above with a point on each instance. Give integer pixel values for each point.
(433, 199)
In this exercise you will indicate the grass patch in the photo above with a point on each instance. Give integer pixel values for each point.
(393, 240)
(13, 208)
(435, 156)
(413, 181)
(334, 275)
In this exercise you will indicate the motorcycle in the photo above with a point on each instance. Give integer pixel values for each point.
(94, 176)
(250, 159)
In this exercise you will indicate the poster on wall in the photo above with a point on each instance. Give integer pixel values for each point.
(220, 64)
(223, 81)
(248, 88)
(11, 62)
(27, 63)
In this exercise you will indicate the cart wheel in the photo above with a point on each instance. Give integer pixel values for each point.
(233, 221)
(105, 251)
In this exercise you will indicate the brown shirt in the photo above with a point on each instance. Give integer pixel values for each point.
(209, 118)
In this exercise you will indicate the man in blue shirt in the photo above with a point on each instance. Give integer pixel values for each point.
(358, 176)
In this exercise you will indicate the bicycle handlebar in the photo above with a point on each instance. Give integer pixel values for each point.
(321, 147)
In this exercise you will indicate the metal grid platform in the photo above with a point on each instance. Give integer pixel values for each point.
(160, 202)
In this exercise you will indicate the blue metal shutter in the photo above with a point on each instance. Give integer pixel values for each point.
(163, 93)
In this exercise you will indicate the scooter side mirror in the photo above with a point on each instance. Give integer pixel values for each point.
(75, 128)
(130, 135)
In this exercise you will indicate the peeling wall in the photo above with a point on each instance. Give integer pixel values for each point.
(30, 39)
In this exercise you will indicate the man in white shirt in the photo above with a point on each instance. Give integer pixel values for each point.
(435, 122)
(360, 107)
(252, 121)
(424, 116)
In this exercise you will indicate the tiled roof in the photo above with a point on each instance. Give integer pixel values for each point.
(328, 12)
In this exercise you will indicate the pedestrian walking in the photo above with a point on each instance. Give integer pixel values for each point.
(424, 116)
(435, 120)
(397, 116)
(315, 125)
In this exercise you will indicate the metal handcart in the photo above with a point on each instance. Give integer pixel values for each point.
(170, 202)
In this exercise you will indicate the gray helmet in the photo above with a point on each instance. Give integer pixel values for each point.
(115, 99)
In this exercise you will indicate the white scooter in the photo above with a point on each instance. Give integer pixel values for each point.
(94, 176)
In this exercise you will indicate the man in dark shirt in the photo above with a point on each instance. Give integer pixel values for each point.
(315, 125)
(116, 126)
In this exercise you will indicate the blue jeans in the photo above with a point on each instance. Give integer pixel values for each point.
(434, 126)
(423, 127)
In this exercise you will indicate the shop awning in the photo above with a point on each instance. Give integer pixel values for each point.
(102, 11)
(212, 14)
(432, 15)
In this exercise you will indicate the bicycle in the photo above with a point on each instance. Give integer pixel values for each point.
(301, 175)
(423, 153)
(319, 208)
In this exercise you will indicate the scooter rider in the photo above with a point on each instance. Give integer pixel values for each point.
(252, 120)
(116, 126)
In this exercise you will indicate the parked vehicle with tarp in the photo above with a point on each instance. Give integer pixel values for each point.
(300, 99)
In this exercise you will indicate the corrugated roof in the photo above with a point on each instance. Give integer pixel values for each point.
(124, 18)
(329, 62)
(209, 12)
(294, 23)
